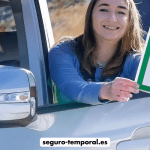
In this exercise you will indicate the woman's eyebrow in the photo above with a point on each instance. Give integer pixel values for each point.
(104, 4)
(123, 7)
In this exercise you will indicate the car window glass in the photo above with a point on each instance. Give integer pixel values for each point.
(9, 53)
(7, 22)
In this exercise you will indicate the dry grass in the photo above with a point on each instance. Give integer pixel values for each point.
(68, 21)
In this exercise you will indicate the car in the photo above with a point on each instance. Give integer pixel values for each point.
(24, 72)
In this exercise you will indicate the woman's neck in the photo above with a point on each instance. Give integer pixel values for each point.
(105, 50)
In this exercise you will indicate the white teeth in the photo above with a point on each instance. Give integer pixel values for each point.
(111, 28)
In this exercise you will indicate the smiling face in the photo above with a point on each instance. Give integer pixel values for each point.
(110, 19)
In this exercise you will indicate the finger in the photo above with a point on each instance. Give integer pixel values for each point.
(133, 90)
(127, 88)
(123, 94)
(125, 81)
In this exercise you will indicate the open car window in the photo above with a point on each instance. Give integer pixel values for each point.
(67, 19)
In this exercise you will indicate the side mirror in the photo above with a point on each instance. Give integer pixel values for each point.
(18, 99)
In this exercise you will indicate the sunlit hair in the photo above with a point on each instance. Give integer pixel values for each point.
(131, 42)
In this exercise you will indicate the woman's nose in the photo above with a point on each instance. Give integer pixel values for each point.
(112, 17)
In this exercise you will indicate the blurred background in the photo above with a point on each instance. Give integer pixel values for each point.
(67, 17)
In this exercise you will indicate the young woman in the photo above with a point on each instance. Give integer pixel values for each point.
(100, 65)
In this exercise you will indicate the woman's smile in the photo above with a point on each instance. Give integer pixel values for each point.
(110, 27)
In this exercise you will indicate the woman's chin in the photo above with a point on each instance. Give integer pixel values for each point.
(112, 38)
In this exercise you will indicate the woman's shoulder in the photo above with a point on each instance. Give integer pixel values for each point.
(65, 44)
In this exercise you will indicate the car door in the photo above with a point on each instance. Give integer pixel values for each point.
(121, 122)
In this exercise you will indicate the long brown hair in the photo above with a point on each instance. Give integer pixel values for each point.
(131, 42)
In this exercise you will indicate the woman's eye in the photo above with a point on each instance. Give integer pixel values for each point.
(122, 13)
(104, 10)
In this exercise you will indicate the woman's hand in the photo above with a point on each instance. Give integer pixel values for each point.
(119, 90)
